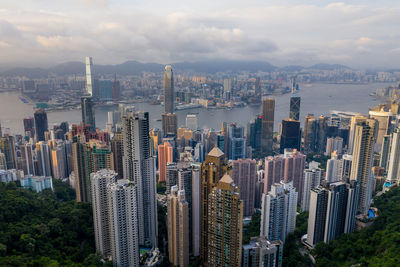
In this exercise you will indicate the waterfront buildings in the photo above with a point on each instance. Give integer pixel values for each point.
(89, 76)
(295, 107)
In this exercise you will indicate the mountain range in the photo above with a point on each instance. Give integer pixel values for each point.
(135, 67)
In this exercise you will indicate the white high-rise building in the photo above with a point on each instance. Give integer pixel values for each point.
(192, 122)
(334, 144)
(278, 215)
(312, 179)
(139, 167)
(393, 171)
(196, 185)
(43, 156)
(124, 229)
(333, 168)
(101, 216)
(89, 76)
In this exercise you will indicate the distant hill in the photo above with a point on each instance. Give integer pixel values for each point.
(135, 67)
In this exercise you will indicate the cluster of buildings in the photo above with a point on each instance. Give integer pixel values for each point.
(214, 179)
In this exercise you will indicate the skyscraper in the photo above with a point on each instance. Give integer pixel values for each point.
(274, 171)
(254, 132)
(278, 215)
(88, 114)
(384, 120)
(8, 149)
(245, 175)
(178, 228)
(41, 124)
(212, 170)
(295, 107)
(171, 176)
(82, 160)
(139, 167)
(295, 163)
(89, 76)
(365, 132)
(43, 158)
(312, 179)
(101, 212)
(28, 159)
(124, 230)
(29, 127)
(224, 232)
(267, 126)
(169, 94)
(169, 124)
(236, 142)
(309, 133)
(165, 156)
(393, 169)
(192, 122)
(290, 135)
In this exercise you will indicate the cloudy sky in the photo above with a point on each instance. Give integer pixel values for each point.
(358, 33)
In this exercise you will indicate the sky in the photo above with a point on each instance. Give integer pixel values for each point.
(362, 34)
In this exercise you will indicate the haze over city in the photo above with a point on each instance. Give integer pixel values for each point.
(42, 33)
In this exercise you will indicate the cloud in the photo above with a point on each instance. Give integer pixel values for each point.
(282, 32)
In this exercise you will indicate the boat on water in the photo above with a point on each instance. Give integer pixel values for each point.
(23, 100)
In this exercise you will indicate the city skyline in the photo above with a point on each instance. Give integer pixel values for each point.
(47, 33)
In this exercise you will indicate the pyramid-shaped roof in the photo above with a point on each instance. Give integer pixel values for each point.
(226, 179)
(216, 152)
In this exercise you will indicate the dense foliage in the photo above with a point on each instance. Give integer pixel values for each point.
(292, 247)
(45, 229)
(378, 245)
(252, 229)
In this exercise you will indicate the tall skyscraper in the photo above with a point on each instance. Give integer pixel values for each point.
(309, 133)
(88, 113)
(295, 163)
(43, 158)
(295, 107)
(274, 171)
(384, 120)
(139, 167)
(28, 159)
(361, 169)
(333, 169)
(118, 151)
(224, 233)
(29, 127)
(312, 179)
(244, 175)
(236, 142)
(41, 124)
(178, 228)
(169, 94)
(212, 170)
(317, 215)
(165, 156)
(82, 160)
(171, 176)
(169, 124)
(393, 165)
(254, 132)
(101, 212)
(290, 135)
(89, 76)
(278, 215)
(124, 216)
(267, 126)
(192, 122)
(7, 147)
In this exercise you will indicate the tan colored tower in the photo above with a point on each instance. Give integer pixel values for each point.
(267, 129)
(225, 211)
(178, 228)
(212, 170)
(165, 156)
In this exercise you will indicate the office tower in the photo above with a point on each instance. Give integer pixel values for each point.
(102, 157)
(171, 176)
(345, 168)
(28, 159)
(385, 151)
(322, 131)
(29, 127)
(267, 126)
(165, 156)
(259, 189)
(384, 120)
(8, 149)
(244, 175)
(101, 212)
(81, 155)
(290, 135)
(309, 133)
(333, 207)
(353, 123)
(227, 85)
(178, 227)
(294, 113)
(236, 142)
(278, 215)
(118, 152)
(43, 158)
(333, 169)
(212, 170)
(58, 162)
(88, 114)
(124, 217)
(116, 90)
(312, 179)
(199, 153)
(274, 171)
(196, 187)
(262, 252)
(169, 124)
(334, 144)
(254, 131)
(89, 76)
(155, 140)
(41, 125)
(192, 122)
(224, 233)
(139, 167)
(257, 90)
(104, 90)
(393, 166)
(363, 149)
(295, 163)
(169, 94)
